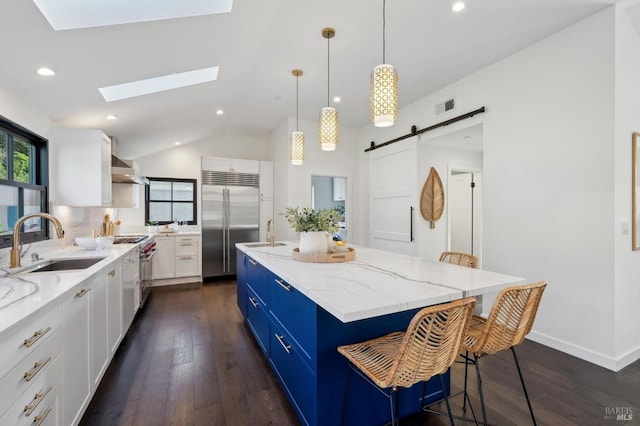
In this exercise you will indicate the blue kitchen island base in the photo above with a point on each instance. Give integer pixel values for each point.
(299, 339)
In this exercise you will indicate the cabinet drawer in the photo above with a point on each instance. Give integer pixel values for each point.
(187, 247)
(258, 320)
(294, 312)
(186, 266)
(298, 380)
(28, 337)
(35, 365)
(257, 277)
(40, 404)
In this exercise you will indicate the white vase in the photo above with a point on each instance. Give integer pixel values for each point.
(313, 242)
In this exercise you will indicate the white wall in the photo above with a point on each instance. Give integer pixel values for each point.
(627, 262)
(293, 183)
(548, 175)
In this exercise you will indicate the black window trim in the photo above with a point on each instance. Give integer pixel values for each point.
(147, 191)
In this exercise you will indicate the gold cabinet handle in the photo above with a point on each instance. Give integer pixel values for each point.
(283, 285)
(36, 336)
(37, 399)
(36, 368)
(186, 244)
(39, 419)
(82, 292)
(112, 273)
(186, 258)
(253, 302)
(253, 262)
(285, 346)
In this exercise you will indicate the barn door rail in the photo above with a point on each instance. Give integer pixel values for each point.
(415, 131)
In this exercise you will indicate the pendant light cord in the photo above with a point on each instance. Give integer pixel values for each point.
(297, 78)
(328, 76)
(384, 30)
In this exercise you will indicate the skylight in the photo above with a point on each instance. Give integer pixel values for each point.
(158, 84)
(72, 14)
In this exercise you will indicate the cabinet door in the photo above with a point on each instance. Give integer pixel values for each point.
(77, 377)
(266, 213)
(164, 260)
(114, 306)
(266, 180)
(339, 188)
(186, 266)
(105, 170)
(245, 166)
(216, 164)
(241, 282)
(186, 246)
(99, 327)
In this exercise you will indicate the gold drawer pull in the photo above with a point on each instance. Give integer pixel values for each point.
(36, 368)
(186, 258)
(281, 340)
(112, 273)
(283, 285)
(39, 419)
(36, 336)
(186, 244)
(82, 292)
(37, 399)
(253, 262)
(253, 302)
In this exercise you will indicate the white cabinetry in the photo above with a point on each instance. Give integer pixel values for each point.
(31, 370)
(114, 307)
(232, 165)
(187, 249)
(339, 188)
(266, 197)
(77, 364)
(83, 167)
(99, 328)
(163, 261)
(128, 195)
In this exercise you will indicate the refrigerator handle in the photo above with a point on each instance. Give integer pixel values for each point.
(224, 228)
(228, 230)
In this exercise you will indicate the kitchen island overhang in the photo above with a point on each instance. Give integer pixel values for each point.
(300, 312)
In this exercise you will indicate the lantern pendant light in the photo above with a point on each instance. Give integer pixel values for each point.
(384, 87)
(328, 115)
(296, 140)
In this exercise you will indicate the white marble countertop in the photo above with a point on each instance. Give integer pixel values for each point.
(40, 289)
(377, 282)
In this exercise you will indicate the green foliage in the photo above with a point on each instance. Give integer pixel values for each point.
(309, 220)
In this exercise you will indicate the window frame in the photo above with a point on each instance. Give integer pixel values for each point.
(147, 193)
(38, 177)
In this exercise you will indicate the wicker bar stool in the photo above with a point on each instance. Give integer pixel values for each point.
(427, 348)
(458, 258)
(509, 321)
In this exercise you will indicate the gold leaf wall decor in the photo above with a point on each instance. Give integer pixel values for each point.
(432, 198)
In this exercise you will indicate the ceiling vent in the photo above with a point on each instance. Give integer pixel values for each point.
(446, 106)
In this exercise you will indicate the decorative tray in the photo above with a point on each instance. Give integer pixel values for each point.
(324, 257)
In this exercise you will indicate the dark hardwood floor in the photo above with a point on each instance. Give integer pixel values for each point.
(189, 359)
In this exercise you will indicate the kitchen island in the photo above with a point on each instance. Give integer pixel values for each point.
(300, 312)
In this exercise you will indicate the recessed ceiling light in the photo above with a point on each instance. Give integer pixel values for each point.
(46, 72)
(177, 142)
(337, 99)
(69, 14)
(158, 84)
(458, 6)
(219, 112)
(112, 117)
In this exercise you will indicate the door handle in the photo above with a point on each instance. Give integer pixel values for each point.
(411, 223)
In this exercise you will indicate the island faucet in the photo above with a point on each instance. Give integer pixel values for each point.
(15, 249)
(270, 233)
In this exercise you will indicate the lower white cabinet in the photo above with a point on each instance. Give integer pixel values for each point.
(187, 249)
(178, 257)
(114, 306)
(99, 328)
(163, 260)
(77, 362)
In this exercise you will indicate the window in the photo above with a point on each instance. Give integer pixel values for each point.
(23, 182)
(171, 200)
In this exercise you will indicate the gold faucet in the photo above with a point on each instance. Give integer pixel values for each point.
(15, 249)
(270, 233)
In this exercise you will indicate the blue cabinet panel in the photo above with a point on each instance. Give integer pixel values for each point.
(241, 280)
(257, 276)
(258, 320)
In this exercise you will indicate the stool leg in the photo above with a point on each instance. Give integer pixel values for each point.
(446, 398)
(524, 388)
(344, 397)
(393, 402)
(466, 369)
(484, 413)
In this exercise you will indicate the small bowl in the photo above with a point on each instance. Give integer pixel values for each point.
(104, 242)
(86, 242)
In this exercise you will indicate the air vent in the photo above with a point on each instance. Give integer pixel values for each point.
(230, 179)
(446, 106)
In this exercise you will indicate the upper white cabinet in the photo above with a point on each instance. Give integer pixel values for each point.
(128, 195)
(339, 188)
(82, 175)
(266, 180)
(233, 165)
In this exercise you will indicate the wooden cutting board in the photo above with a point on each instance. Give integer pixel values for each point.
(432, 198)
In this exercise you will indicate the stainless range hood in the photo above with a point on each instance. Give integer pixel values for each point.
(124, 171)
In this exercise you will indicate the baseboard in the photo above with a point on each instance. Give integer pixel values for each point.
(585, 354)
(173, 281)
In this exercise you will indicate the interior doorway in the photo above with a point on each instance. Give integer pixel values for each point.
(464, 201)
(330, 192)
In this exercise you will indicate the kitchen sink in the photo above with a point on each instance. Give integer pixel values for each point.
(254, 245)
(66, 264)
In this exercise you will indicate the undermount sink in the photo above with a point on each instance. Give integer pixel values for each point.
(66, 264)
(254, 245)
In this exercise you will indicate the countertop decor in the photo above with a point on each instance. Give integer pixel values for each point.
(350, 254)
(316, 227)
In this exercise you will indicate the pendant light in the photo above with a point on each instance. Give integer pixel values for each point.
(328, 115)
(296, 140)
(384, 87)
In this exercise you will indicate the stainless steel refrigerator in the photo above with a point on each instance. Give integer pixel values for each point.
(230, 215)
